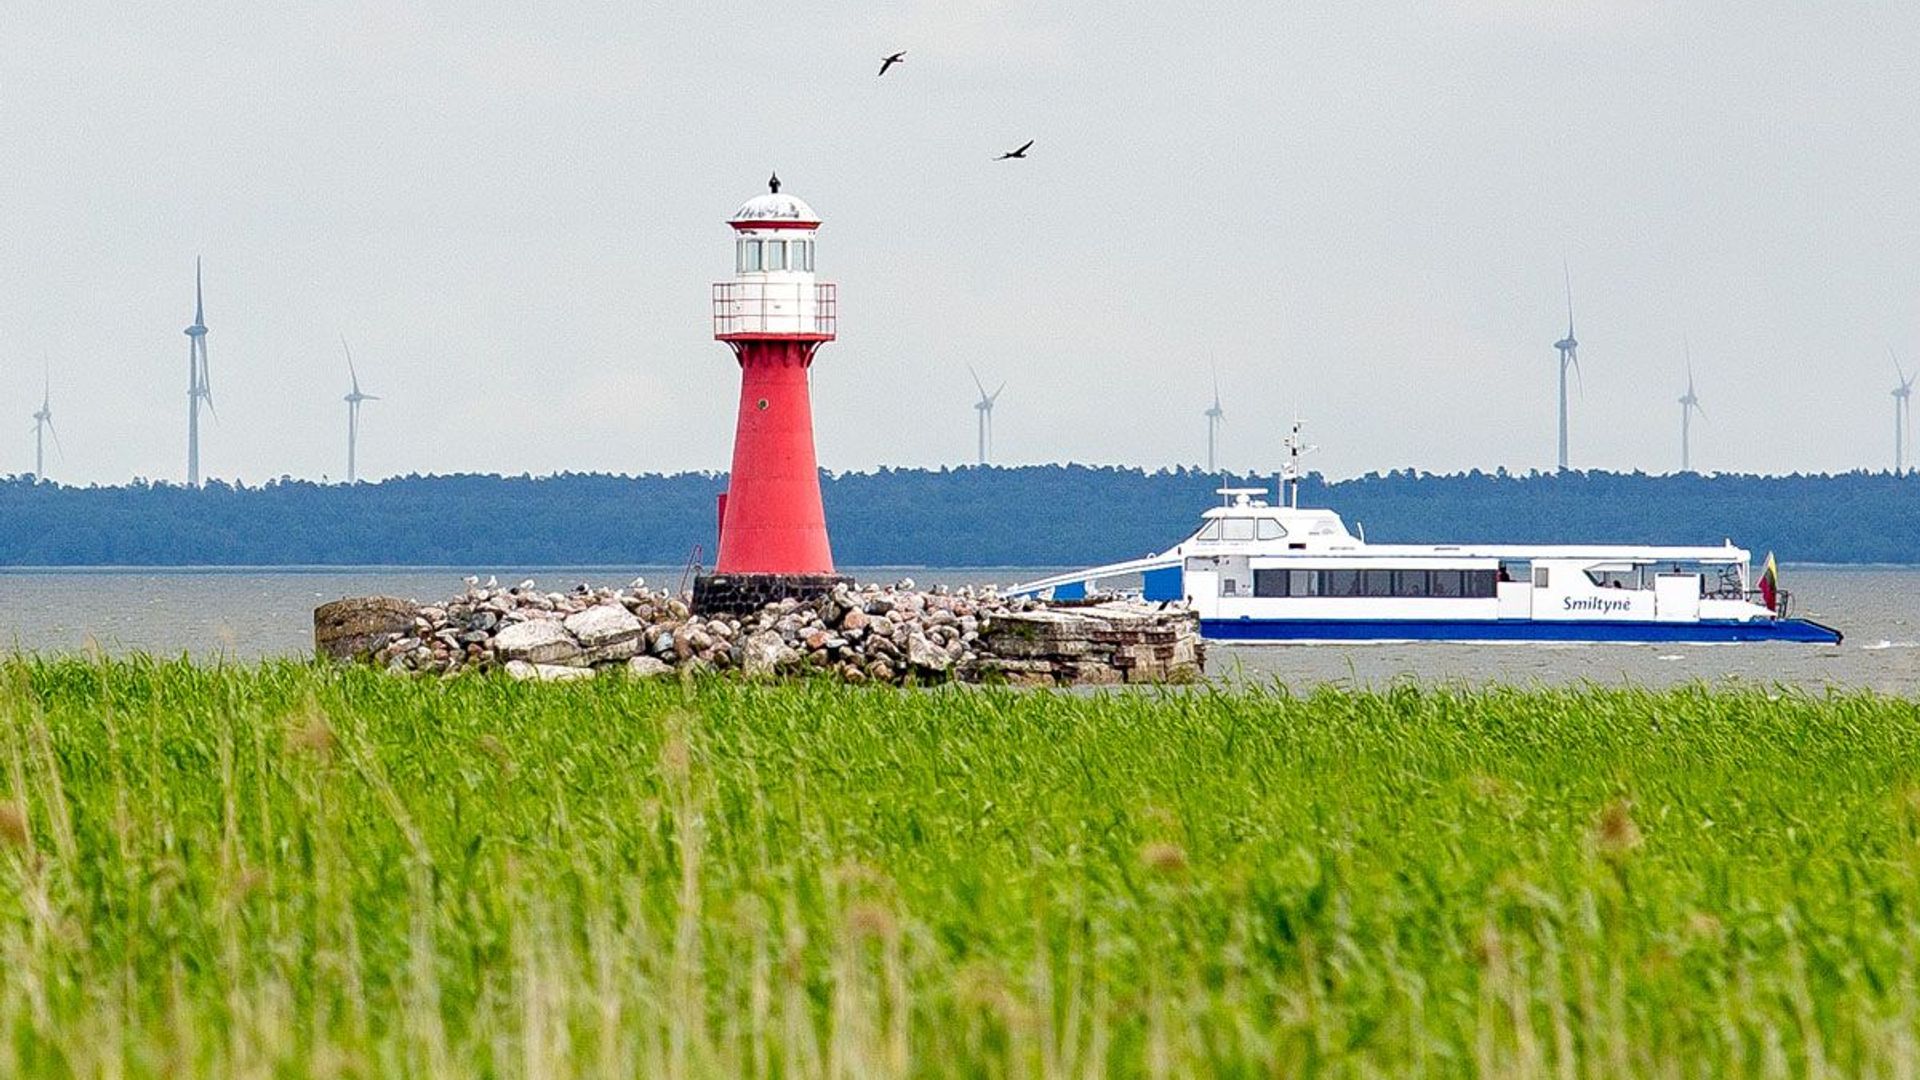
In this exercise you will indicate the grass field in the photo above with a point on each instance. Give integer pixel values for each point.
(289, 870)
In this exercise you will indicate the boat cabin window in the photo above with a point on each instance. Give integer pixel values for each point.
(1540, 577)
(1209, 532)
(1236, 528)
(1404, 583)
(1614, 579)
(1269, 529)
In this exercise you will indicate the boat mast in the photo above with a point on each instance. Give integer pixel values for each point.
(1290, 472)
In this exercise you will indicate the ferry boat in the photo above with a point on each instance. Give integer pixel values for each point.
(1256, 571)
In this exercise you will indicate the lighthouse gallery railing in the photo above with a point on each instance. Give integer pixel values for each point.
(752, 308)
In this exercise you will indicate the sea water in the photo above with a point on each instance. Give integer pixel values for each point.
(252, 613)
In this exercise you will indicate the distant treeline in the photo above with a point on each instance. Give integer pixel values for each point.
(1028, 516)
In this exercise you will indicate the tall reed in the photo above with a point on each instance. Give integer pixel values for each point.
(293, 870)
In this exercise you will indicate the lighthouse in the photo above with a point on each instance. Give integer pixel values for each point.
(773, 314)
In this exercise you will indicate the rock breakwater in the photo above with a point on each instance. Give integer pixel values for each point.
(886, 634)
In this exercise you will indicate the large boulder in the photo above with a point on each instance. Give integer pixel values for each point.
(352, 629)
(537, 641)
(606, 632)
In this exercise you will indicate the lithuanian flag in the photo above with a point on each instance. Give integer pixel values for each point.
(1770, 583)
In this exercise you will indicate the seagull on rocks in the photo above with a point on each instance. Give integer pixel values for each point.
(896, 58)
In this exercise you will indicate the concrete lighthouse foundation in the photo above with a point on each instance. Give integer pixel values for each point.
(774, 315)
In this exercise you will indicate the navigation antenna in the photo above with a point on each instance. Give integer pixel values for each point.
(1290, 472)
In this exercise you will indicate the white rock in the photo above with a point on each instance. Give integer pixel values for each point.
(539, 641)
(520, 669)
(761, 654)
(604, 624)
(922, 653)
(646, 667)
(561, 672)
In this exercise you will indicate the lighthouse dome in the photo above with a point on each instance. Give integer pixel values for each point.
(774, 207)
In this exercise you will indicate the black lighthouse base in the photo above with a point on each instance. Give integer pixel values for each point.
(744, 594)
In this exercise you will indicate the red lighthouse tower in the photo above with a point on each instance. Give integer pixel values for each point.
(773, 314)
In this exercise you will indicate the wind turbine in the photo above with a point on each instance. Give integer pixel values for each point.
(199, 388)
(1568, 358)
(1689, 404)
(1902, 413)
(985, 408)
(1215, 414)
(353, 401)
(42, 427)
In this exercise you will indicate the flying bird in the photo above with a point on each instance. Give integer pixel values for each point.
(1020, 153)
(896, 58)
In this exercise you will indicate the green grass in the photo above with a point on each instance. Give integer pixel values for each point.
(290, 870)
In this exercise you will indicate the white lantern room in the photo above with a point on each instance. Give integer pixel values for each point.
(773, 292)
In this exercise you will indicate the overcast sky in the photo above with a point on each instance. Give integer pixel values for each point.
(1357, 211)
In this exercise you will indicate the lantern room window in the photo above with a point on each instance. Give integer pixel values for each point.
(749, 255)
(776, 257)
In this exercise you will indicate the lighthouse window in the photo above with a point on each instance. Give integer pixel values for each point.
(803, 255)
(750, 255)
(776, 255)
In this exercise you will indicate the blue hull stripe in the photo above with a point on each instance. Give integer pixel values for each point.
(1798, 630)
